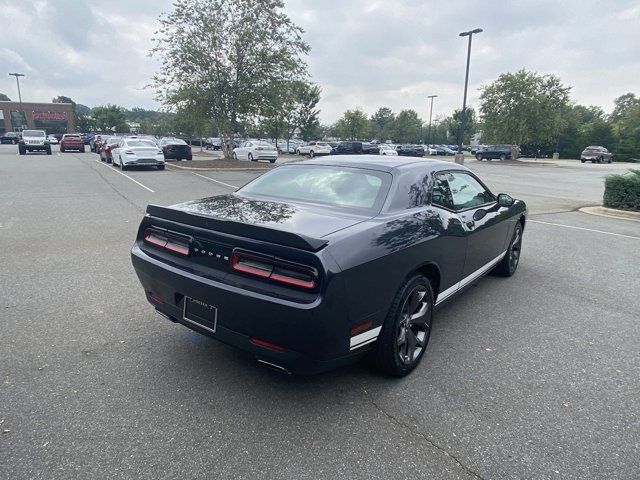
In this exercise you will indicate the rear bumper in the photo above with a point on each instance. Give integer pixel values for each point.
(169, 155)
(312, 337)
(75, 146)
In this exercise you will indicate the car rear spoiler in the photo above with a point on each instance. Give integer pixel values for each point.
(256, 232)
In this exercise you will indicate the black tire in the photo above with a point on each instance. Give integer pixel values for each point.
(478, 156)
(503, 157)
(311, 154)
(509, 263)
(22, 150)
(82, 149)
(61, 149)
(235, 156)
(160, 167)
(189, 159)
(49, 151)
(250, 157)
(273, 160)
(582, 160)
(390, 354)
(122, 167)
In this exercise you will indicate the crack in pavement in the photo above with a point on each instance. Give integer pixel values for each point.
(113, 187)
(417, 432)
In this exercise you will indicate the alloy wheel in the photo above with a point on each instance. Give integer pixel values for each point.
(413, 327)
(516, 247)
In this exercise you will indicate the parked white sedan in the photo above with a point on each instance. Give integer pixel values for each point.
(137, 151)
(254, 150)
(52, 139)
(314, 148)
(386, 149)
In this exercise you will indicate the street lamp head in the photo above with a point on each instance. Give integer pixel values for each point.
(432, 96)
(17, 74)
(471, 32)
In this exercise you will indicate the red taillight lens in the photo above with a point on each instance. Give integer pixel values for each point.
(293, 275)
(166, 240)
(262, 343)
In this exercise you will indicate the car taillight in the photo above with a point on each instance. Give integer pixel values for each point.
(281, 272)
(167, 241)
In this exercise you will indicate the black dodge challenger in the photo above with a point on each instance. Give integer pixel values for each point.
(316, 263)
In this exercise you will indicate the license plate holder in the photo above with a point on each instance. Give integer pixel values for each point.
(200, 313)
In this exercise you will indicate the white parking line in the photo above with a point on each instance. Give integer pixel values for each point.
(124, 175)
(585, 229)
(216, 181)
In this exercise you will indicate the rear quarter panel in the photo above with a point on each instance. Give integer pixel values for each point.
(377, 256)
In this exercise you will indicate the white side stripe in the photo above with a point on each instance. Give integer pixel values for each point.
(468, 279)
(364, 338)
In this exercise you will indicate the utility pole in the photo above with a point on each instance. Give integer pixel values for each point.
(430, 115)
(22, 118)
(469, 34)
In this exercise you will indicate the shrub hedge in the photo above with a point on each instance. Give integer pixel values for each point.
(623, 191)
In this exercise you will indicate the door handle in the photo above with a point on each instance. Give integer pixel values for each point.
(471, 224)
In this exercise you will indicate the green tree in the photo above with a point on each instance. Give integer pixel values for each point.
(470, 125)
(228, 56)
(407, 127)
(627, 130)
(109, 118)
(382, 124)
(4, 97)
(622, 104)
(523, 107)
(353, 124)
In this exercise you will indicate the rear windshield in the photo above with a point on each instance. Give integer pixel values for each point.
(337, 186)
(73, 137)
(175, 141)
(141, 143)
(33, 133)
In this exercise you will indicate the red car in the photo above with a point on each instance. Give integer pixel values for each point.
(72, 141)
(106, 147)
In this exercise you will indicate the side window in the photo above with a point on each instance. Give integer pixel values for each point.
(467, 192)
(441, 193)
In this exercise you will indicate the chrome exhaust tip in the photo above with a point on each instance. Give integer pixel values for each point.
(273, 366)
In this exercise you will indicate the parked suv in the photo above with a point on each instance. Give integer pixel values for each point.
(34, 141)
(503, 152)
(596, 155)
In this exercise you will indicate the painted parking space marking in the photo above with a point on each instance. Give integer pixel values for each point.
(124, 175)
(216, 181)
(583, 228)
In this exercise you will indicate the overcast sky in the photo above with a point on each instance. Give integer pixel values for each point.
(365, 53)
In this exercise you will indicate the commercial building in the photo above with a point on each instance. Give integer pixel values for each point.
(54, 118)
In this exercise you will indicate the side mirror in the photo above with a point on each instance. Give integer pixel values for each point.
(505, 200)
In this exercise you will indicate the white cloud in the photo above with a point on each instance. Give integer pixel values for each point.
(366, 53)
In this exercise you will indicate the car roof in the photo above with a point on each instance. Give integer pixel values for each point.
(381, 163)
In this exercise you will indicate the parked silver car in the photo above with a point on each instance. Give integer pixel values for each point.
(596, 154)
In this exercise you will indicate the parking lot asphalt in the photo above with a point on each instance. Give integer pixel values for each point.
(536, 376)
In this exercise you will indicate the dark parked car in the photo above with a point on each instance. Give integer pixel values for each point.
(175, 149)
(596, 155)
(10, 137)
(410, 150)
(71, 141)
(503, 152)
(356, 148)
(315, 263)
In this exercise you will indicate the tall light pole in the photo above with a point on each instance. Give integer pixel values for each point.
(430, 114)
(466, 84)
(18, 75)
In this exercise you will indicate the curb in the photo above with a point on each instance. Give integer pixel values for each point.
(612, 213)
